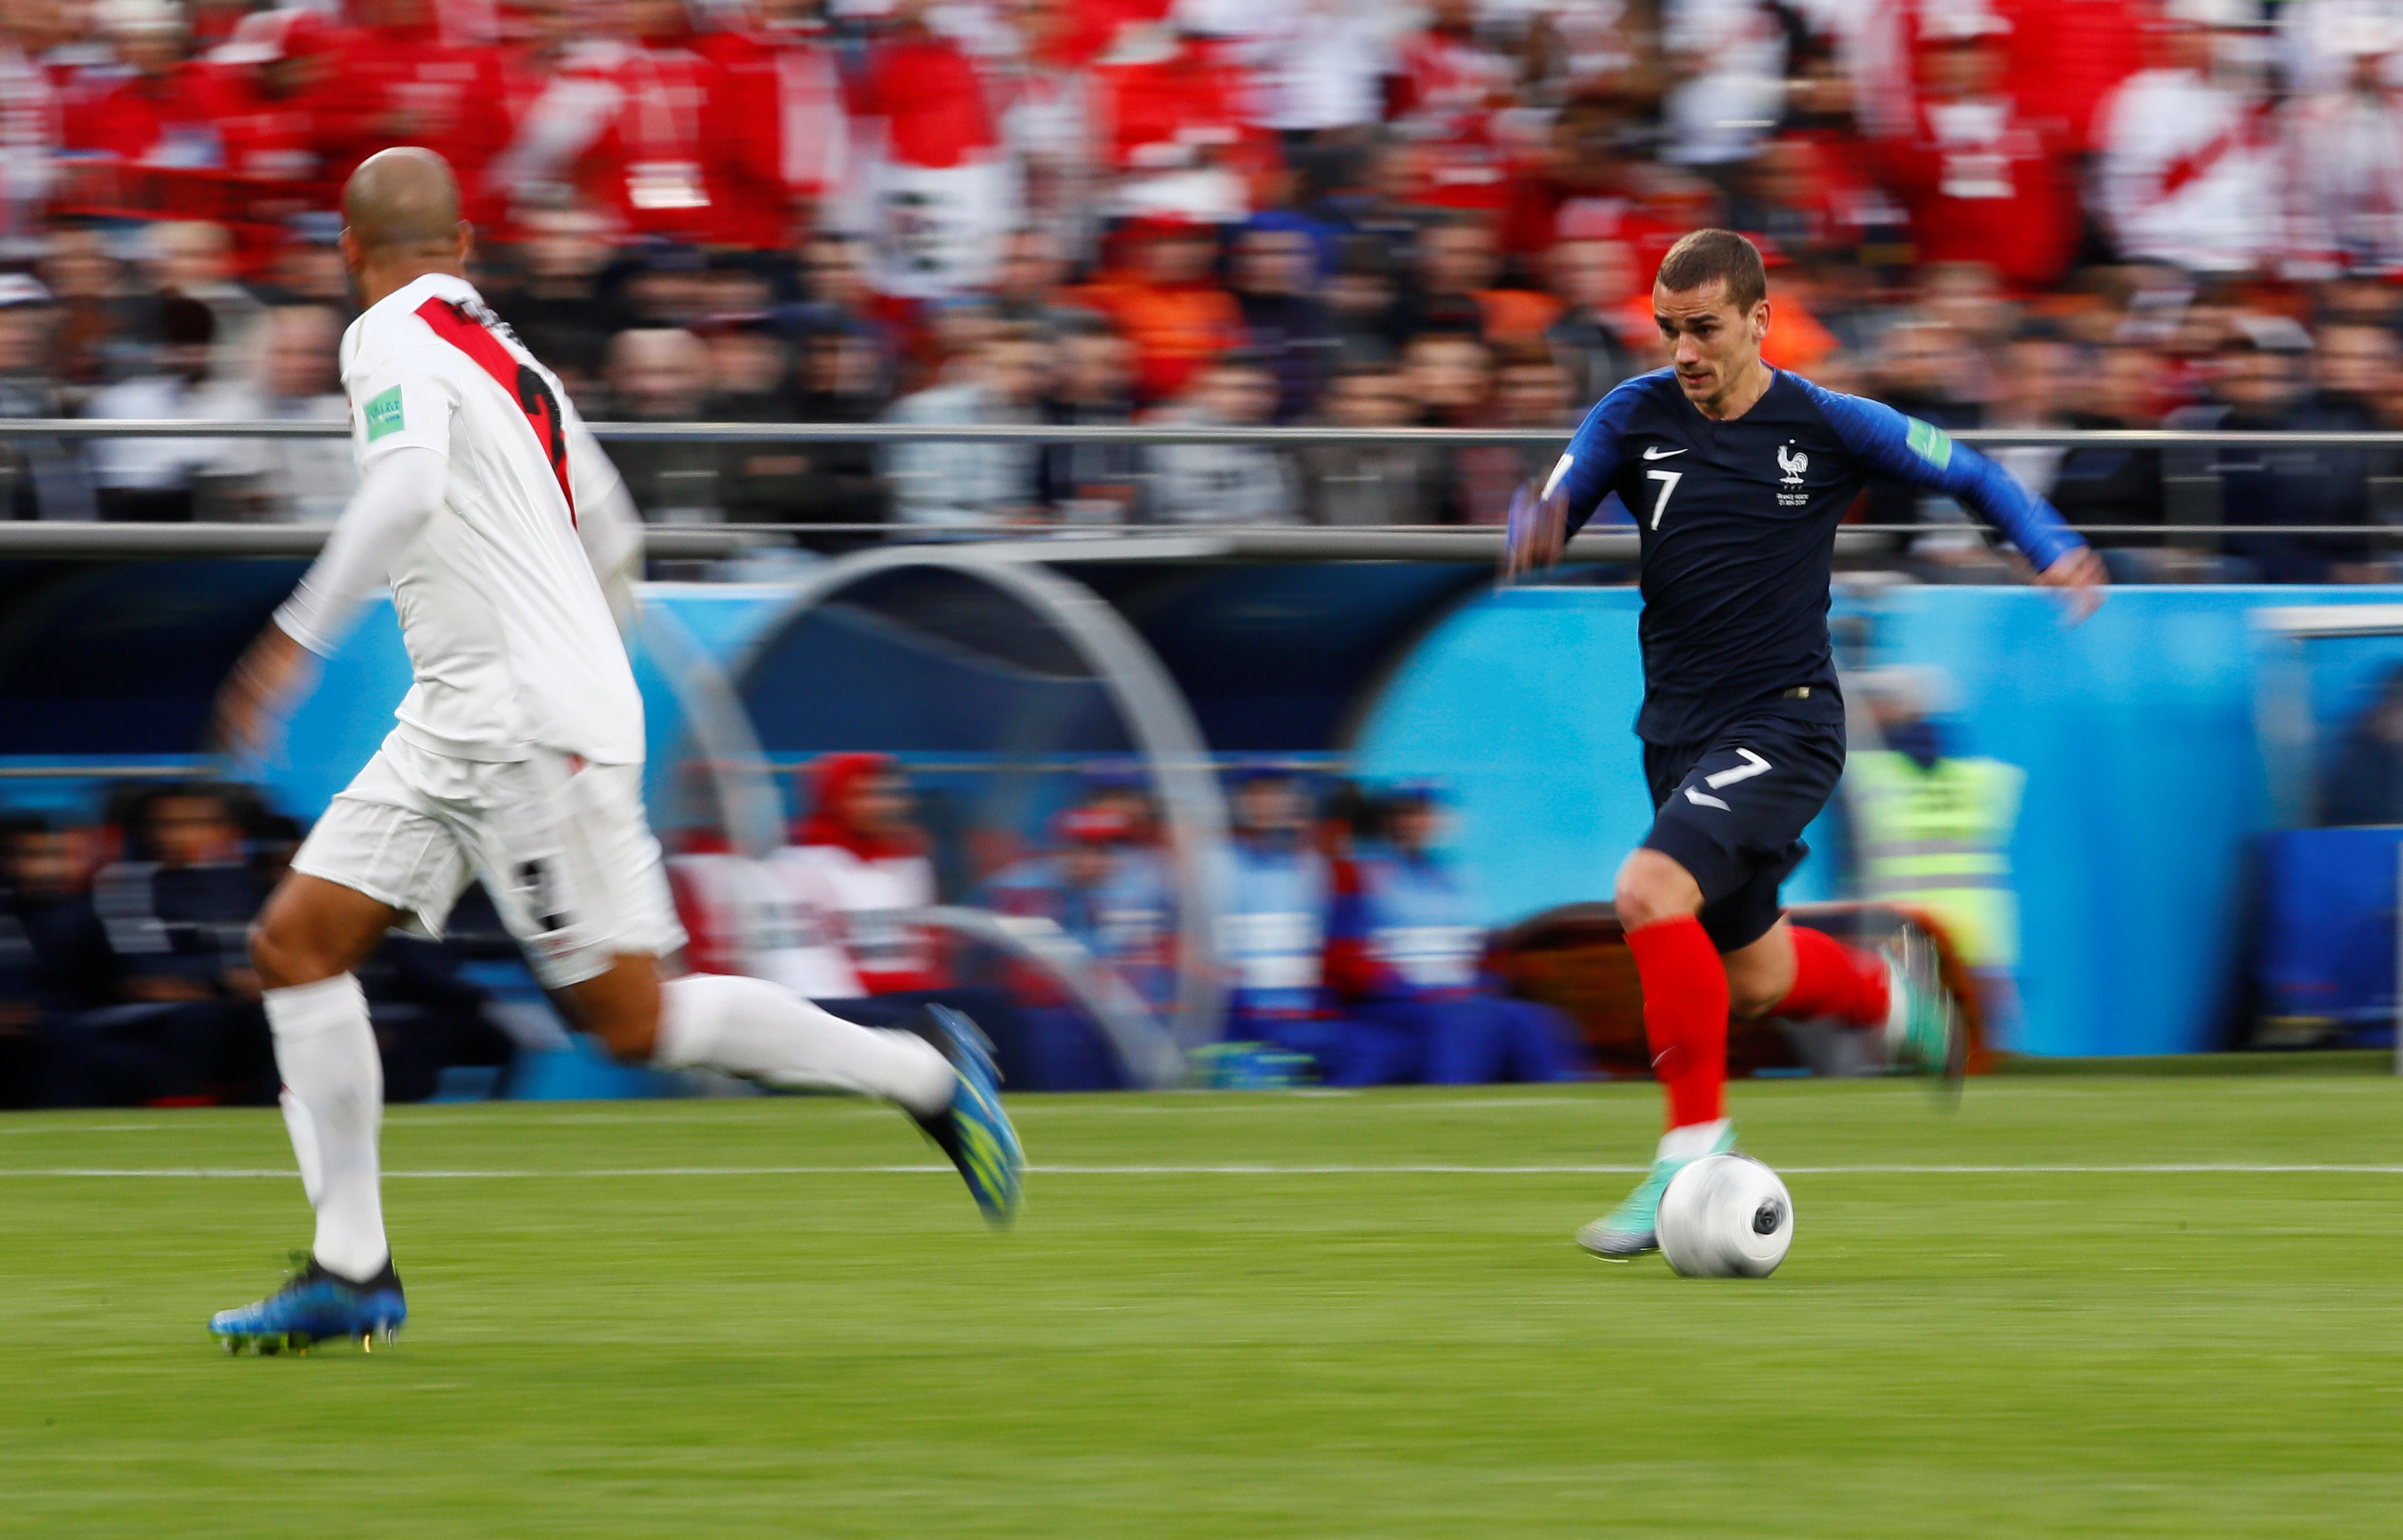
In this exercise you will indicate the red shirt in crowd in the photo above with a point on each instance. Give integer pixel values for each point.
(781, 117)
(168, 120)
(924, 91)
(400, 83)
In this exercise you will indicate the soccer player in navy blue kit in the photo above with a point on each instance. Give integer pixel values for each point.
(1738, 474)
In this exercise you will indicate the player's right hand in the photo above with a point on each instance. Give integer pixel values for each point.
(260, 682)
(1538, 532)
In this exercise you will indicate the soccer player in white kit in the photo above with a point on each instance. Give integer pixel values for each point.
(509, 544)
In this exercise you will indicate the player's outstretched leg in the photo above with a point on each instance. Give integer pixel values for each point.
(973, 1129)
(1685, 1022)
(943, 1077)
(1897, 991)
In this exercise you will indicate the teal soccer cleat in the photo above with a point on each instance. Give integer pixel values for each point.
(974, 1131)
(1925, 1033)
(315, 1306)
(1631, 1229)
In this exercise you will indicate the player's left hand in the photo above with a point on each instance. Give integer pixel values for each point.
(2082, 579)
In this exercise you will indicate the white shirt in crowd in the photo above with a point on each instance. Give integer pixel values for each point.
(305, 480)
(2343, 181)
(168, 464)
(867, 948)
(2187, 173)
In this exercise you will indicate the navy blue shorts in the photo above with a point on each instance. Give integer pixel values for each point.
(1732, 811)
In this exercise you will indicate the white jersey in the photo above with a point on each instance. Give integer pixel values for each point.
(510, 636)
(2187, 173)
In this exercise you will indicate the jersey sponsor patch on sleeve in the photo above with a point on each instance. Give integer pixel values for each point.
(383, 415)
(1930, 443)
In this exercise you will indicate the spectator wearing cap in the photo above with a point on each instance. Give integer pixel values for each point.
(1278, 892)
(154, 479)
(39, 477)
(1223, 483)
(2187, 163)
(1002, 380)
(1097, 889)
(1404, 950)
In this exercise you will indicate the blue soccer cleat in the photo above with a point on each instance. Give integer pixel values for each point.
(974, 1131)
(315, 1306)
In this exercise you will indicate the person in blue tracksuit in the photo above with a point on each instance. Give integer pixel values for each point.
(1405, 952)
(1277, 892)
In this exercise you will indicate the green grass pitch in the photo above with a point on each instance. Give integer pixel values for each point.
(1235, 1316)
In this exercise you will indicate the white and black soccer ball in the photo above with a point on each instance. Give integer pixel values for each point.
(1726, 1216)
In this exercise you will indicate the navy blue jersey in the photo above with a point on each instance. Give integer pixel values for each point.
(1739, 521)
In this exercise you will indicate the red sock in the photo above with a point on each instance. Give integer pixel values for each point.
(1685, 1015)
(1834, 979)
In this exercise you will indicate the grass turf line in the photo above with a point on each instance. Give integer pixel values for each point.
(2005, 1354)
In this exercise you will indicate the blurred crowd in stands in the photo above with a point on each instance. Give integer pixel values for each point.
(1349, 949)
(125, 976)
(2016, 214)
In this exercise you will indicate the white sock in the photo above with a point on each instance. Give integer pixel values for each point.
(327, 1055)
(304, 1144)
(1693, 1141)
(765, 1032)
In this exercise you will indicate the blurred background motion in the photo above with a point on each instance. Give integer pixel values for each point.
(1217, 759)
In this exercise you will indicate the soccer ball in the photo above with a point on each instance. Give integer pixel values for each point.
(1726, 1216)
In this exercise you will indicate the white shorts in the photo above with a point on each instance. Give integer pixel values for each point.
(567, 853)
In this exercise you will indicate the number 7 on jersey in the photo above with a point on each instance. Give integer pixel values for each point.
(1667, 479)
